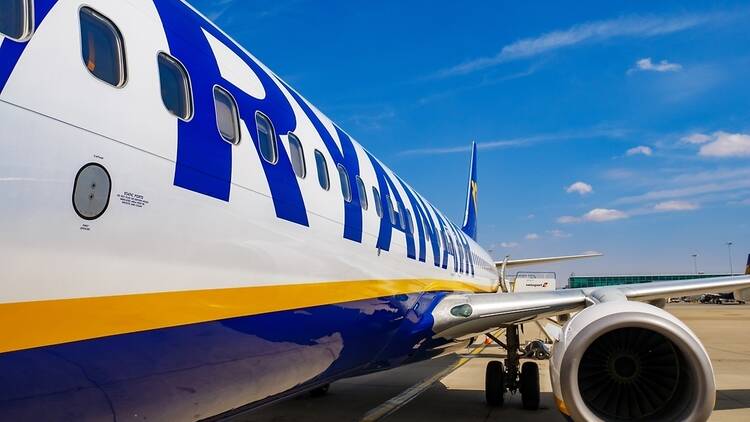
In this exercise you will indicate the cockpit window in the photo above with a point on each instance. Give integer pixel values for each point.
(102, 48)
(16, 19)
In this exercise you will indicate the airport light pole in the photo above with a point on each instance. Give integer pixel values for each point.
(695, 262)
(729, 247)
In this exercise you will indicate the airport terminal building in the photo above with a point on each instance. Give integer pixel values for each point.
(582, 281)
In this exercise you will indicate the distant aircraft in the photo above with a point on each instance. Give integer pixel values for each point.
(184, 236)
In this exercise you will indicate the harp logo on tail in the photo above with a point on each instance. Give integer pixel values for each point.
(470, 217)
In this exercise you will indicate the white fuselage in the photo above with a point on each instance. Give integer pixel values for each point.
(163, 255)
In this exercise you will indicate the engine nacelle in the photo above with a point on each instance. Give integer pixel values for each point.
(625, 360)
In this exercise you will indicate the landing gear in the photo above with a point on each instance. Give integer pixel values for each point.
(530, 386)
(512, 376)
(494, 384)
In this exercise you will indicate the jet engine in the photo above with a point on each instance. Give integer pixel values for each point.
(630, 361)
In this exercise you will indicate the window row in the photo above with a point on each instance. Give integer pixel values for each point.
(103, 54)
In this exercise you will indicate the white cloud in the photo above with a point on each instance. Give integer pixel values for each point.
(532, 236)
(647, 65)
(591, 133)
(219, 8)
(373, 121)
(724, 145)
(589, 32)
(696, 138)
(692, 178)
(580, 188)
(559, 234)
(508, 244)
(690, 191)
(641, 149)
(669, 206)
(597, 215)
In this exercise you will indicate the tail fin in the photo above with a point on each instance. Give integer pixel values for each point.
(470, 217)
(747, 268)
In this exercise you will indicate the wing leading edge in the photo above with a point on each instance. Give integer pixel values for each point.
(464, 315)
(546, 260)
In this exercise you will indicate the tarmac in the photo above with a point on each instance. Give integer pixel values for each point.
(452, 388)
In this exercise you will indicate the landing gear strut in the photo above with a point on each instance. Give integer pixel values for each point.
(512, 377)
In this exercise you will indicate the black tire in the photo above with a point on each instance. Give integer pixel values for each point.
(530, 393)
(494, 384)
(320, 391)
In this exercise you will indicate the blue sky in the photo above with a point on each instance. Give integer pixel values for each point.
(620, 126)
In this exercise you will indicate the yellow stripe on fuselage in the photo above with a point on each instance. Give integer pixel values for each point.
(33, 324)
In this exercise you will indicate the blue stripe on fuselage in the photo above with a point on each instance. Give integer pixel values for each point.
(189, 372)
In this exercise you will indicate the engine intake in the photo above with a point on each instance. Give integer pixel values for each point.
(629, 361)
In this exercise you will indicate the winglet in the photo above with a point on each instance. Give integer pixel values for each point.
(470, 216)
(747, 267)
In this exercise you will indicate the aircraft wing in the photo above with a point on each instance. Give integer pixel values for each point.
(465, 315)
(533, 261)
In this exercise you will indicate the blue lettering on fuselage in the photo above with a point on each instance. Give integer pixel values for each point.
(346, 157)
(387, 187)
(204, 160)
(11, 51)
(431, 231)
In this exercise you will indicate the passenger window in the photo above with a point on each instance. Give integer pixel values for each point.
(346, 189)
(376, 199)
(175, 87)
(320, 162)
(391, 210)
(102, 48)
(401, 216)
(16, 20)
(266, 138)
(362, 193)
(227, 117)
(297, 156)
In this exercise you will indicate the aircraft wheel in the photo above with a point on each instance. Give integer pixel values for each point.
(530, 386)
(494, 383)
(320, 391)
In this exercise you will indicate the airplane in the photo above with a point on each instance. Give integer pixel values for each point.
(185, 237)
